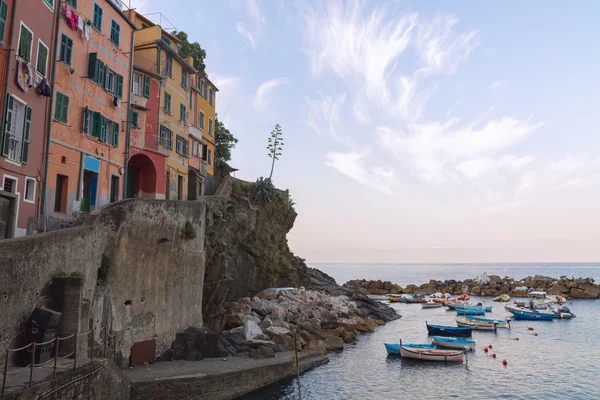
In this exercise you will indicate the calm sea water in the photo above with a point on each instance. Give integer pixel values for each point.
(562, 362)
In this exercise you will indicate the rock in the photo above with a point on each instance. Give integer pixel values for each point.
(285, 341)
(262, 352)
(245, 300)
(231, 321)
(251, 330)
(278, 313)
(262, 307)
(251, 318)
(572, 285)
(239, 308)
(318, 346)
(274, 331)
(337, 332)
(256, 343)
(266, 323)
(348, 336)
(267, 294)
(476, 291)
(577, 293)
(387, 285)
(196, 344)
(592, 292)
(334, 343)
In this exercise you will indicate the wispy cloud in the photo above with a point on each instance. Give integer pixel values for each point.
(324, 116)
(224, 82)
(358, 167)
(497, 84)
(257, 21)
(261, 98)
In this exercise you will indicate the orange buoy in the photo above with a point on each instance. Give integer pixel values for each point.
(516, 338)
(571, 303)
(485, 350)
(530, 328)
(504, 362)
(494, 355)
(535, 334)
(490, 346)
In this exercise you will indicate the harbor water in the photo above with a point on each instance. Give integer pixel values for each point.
(561, 362)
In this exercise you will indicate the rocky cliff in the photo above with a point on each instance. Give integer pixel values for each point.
(247, 251)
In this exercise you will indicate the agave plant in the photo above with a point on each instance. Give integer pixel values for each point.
(264, 191)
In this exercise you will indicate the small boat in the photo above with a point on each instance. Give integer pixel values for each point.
(431, 305)
(479, 325)
(394, 298)
(454, 343)
(564, 313)
(470, 311)
(464, 296)
(453, 305)
(502, 298)
(449, 331)
(501, 323)
(439, 301)
(532, 314)
(415, 300)
(432, 354)
(394, 348)
(537, 300)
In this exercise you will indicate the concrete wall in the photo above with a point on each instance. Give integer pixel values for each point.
(101, 381)
(154, 282)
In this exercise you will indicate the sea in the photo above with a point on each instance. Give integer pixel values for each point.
(557, 359)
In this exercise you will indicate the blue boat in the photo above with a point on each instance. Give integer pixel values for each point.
(448, 331)
(394, 348)
(470, 311)
(531, 314)
(490, 320)
(454, 343)
(478, 307)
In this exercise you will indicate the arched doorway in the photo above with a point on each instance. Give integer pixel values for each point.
(141, 178)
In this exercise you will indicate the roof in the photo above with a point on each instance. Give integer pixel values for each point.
(121, 13)
(209, 81)
(147, 71)
(177, 56)
(149, 22)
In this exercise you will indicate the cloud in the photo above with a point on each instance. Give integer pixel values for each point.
(497, 84)
(257, 18)
(355, 166)
(261, 98)
(225, 82)
(324, 116)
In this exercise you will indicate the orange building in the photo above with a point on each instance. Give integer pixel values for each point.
(88, 149)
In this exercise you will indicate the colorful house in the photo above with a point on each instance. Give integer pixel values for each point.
(88, 141)
(202, 126)
(26, 39)
(157, 50)
(147, 166)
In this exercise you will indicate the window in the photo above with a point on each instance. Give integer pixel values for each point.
(209, 156)
(88, 116)
(66, 49)
(61, 112)
(182, 113)
(29, 190)
(98, 126)
(133, 118)
(211, 98)
(115, 30)
(210, 127)
(60, 194)
(10, 185)
(97, 17)
(184, 79)
(114, 188)
(3, 16)
(137, 84)
(72, 3)
(195, 148)
(166, 137)
(204, 152)
(146, 86)
(167, 103)
(109, 83)
(182, 146)
(42, 58)
(25, 40)
(50, 3)
(169, 66)
(201, 120)
(17, 131)
(202, 88)
(115, 134)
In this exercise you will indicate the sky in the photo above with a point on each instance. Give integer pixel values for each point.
(414, 131)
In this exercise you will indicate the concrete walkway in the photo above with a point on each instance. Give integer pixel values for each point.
(215, 378)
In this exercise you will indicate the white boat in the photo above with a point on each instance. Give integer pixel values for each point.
(480, 325)
(431, 305)
(432, 354)
(537, 300)
(454, 343)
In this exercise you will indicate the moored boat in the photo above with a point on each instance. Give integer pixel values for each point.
(416, 300)
(439, 301)
(464, 296)
(532, 314)
(450, 331)
(394, 348)
(432, 354)
(454, 343)
(479, 325)
(431, 305)
(501, 323)
(394, 298)
(502, 298)
(470, 311)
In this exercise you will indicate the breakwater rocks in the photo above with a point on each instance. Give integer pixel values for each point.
(261, 326)
(492, 285)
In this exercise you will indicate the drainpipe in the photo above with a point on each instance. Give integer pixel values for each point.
(12, 26)
(49, 120)
(128, 131)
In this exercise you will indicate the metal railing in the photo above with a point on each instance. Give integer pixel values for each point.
(105, 337)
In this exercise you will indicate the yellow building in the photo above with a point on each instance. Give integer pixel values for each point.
(157, 50)
(202, 126)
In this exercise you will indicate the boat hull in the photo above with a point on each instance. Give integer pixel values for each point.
(529, 314)
(431, 305)
(470, 311)
(453, 343)
(448, 331)
(393, 349)
(432, 355)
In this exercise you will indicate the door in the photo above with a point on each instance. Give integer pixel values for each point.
(90, 182)
(168, 188)
(60, 195)
(130, 183)
(114, 188)
(180, 187)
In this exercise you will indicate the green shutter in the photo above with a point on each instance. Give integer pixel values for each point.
(103, 129)
(3, 15)
(119, 86)
(92, 63)
(133, 118)
(96, 125)
(7, 124)
(146, 86)
(26, 132)
(115, 134)
(100, 76)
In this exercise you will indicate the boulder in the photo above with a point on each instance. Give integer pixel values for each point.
(476, 291)
(372, 324)
(337, 332)
(278, 313)
(577, 293)
(267, 294)
(251, 330)
(572, 284)
(262, 307)
(231, 321)
(334, 343)
(276, 330)
(592, 292)
(196, 344)
(348, 336)
(262, 352)
(251, 318)
(266, 323)
(239, 308)
(245, 300)
(387, 285)
(318, 346)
